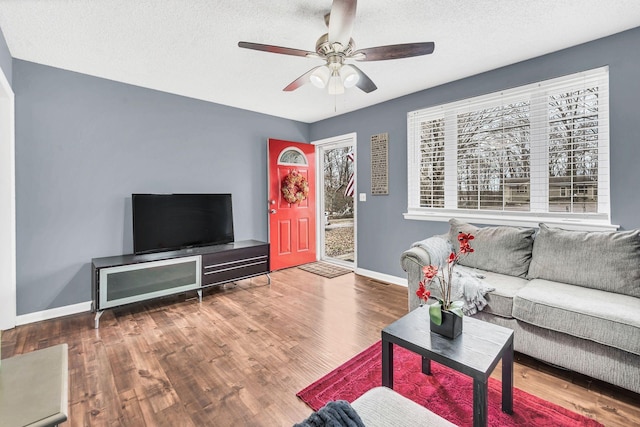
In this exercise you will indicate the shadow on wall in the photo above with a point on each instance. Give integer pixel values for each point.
(80, 284)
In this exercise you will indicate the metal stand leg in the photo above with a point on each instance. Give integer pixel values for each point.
(96, 320)
(199, 292)
(268, 279)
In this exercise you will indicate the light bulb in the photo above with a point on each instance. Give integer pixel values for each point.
(349, 76)
(320, 77)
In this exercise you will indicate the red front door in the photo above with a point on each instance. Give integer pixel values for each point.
(292, 226)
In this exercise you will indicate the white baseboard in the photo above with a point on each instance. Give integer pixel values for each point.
(83, 307)
(67, 310)
(382, 277)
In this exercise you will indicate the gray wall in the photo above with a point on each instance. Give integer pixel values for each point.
(84, 144)
(5, 58)
(383, 233)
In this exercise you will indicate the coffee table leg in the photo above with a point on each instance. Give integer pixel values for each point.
(480, 403)
(387, 364)
(426, 365)
(507, 380)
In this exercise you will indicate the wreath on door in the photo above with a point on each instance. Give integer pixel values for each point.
(295, 187)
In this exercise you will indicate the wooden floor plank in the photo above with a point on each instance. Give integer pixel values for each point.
(239, 357)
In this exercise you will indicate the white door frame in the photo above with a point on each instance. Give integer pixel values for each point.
(7, 206)
(327, 143)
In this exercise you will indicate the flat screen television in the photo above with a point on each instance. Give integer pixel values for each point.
(165, 222)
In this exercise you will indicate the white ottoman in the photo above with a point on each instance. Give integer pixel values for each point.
(383, 407)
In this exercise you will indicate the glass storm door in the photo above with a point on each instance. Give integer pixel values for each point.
(337, 182)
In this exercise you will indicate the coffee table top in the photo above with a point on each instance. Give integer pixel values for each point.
(475, 352)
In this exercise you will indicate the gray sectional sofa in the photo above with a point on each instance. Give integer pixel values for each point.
(571, 297)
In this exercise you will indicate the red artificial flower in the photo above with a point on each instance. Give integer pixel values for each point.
(422, 292)
(429, 271)
(464, 238)
(444, 282)
(465, 248)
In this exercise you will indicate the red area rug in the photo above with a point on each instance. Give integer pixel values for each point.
(446, 392)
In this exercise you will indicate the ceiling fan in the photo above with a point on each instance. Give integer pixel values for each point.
(336, 48)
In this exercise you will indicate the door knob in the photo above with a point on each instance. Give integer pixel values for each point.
(272, 211)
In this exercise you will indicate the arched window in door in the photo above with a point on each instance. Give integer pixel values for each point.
(292, 156)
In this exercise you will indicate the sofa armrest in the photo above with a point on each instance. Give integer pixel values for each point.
(434, 250)
(412, 261)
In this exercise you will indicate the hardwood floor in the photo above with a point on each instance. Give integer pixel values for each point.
(240, 357)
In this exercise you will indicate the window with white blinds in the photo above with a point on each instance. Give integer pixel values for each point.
(534, 153)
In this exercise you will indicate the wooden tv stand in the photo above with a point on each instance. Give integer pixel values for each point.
(126, 279)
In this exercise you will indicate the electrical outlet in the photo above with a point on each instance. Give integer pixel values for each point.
(363, 197)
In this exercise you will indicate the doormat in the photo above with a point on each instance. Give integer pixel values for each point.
(445, 392)
(324, 269)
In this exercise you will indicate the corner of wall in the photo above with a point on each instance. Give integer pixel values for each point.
(6, 60)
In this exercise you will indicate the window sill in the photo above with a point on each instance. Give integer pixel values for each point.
(585, 224)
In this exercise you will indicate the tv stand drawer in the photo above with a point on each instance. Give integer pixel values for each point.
(222, 267)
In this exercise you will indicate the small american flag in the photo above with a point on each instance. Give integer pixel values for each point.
(349, 191)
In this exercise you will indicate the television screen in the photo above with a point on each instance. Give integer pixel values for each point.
(164, 222)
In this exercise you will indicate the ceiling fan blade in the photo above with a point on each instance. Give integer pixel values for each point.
(303, 79)
(341, 18)
(364, 82)
(394, 51)
(277, 49)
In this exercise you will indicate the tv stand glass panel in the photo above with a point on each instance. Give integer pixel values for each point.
(138, 282)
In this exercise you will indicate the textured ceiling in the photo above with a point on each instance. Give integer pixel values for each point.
(189, 47)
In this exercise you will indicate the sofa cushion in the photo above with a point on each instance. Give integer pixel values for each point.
(502, 249)
(592, 314)
(609, 261)
(500, 300)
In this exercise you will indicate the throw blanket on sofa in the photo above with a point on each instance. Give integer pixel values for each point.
(334, 414)
(438, 248)
(467, 284)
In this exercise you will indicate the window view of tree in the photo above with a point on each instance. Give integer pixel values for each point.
(338, 168)
(540, 148)
(573, 151)
(493, 158)
(432, 164)
(338, 203)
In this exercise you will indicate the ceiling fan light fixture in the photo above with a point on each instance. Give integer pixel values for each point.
(337, 47)
(320, 77)
(349, 76)
(335, 85)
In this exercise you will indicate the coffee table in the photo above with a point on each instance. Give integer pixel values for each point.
(475, 353)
